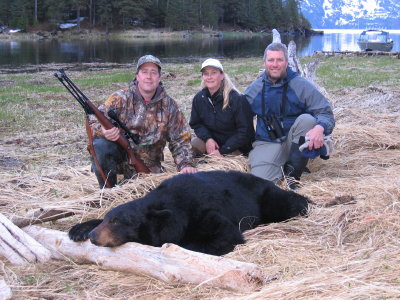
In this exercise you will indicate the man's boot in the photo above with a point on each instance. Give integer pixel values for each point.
(295, 166)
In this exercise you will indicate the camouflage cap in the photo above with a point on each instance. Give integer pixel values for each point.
(146, 59)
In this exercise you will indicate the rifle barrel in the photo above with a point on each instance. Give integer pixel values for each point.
(90, 108)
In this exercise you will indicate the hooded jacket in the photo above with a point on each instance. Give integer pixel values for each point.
(302, 97)
(232, 128)
(156, 122)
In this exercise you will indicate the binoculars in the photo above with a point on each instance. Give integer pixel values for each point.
(274, 127)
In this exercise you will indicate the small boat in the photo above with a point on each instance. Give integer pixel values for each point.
(375, 40)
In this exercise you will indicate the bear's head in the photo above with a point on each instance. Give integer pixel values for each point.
(133, 222)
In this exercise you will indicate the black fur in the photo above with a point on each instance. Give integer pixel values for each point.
(205, 212)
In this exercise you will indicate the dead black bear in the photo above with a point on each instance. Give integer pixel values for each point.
(205, 212)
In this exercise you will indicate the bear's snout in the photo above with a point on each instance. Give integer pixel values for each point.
(93, 238)
(102, 236)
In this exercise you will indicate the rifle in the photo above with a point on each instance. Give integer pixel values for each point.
(91, 109)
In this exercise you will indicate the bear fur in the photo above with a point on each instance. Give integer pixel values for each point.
(204, 212)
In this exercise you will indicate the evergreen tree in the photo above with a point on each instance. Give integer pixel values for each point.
(21, 13)
(156, 13)
(291, 14)
(208, 13)
(130, 10)
(5, 12)
(104, 12)
(233, 12)
(176, 14)
(54, 10)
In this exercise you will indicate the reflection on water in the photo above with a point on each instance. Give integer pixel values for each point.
(16, 53)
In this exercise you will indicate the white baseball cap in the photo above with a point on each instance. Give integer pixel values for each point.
(212, 62)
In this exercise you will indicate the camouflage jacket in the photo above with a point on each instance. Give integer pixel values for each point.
(156, 122)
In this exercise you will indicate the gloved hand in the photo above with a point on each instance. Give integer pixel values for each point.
(322, 152)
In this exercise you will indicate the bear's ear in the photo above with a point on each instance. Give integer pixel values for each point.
(159, 213)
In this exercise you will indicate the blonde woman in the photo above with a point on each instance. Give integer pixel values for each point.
(221, 117)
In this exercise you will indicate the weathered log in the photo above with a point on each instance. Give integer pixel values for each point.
(5, 291)
(17, 246)
(310, 70)
(294, 61)
(276, 36)
(170, 263)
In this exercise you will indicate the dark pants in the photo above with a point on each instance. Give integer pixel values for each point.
(112, 159)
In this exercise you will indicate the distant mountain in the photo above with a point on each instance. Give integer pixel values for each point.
(352, 14)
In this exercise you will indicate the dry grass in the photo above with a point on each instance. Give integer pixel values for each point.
(347, 251)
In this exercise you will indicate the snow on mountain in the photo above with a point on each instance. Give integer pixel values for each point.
(351, 14)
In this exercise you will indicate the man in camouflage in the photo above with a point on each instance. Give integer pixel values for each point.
(147, 111)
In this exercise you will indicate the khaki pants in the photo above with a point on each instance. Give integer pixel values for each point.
(266, 158)
(199, 146)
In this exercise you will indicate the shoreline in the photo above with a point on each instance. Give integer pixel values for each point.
(131, 34)
(140, 34)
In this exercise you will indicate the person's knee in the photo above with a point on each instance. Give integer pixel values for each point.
(306, 121)
(198, 145)
(267, 171)
(301, 126)
(109, 154)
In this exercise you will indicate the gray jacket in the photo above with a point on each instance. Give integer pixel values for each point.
(301, 97)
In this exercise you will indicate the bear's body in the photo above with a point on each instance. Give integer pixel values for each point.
(205, 212)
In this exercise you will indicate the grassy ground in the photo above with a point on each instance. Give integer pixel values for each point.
(343, 252)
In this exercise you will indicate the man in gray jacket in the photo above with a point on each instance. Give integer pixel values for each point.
(287, 107)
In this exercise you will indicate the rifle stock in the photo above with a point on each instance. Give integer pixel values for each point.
(89, 107)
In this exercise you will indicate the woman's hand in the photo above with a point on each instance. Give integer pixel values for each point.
(211, 146)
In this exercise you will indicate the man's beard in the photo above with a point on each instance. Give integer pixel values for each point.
(277, 78)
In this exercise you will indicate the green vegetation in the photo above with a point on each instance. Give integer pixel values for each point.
(194, 82)
(35, 99)
(339, 72)
(101, 79)
(206, 15)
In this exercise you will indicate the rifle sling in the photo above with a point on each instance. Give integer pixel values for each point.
(93, 153)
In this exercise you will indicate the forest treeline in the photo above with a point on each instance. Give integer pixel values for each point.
(255, 15)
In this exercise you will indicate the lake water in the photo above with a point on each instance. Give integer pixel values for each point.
(19, 53)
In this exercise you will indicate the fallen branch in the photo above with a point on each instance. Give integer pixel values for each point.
(170, 263)
(41, 216)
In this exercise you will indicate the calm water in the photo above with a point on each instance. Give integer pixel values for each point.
(19, 53)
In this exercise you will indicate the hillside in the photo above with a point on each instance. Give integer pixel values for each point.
(350, 14)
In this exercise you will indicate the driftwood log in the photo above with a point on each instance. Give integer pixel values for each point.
(5, 291)
(18, 247)
(170, 263)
